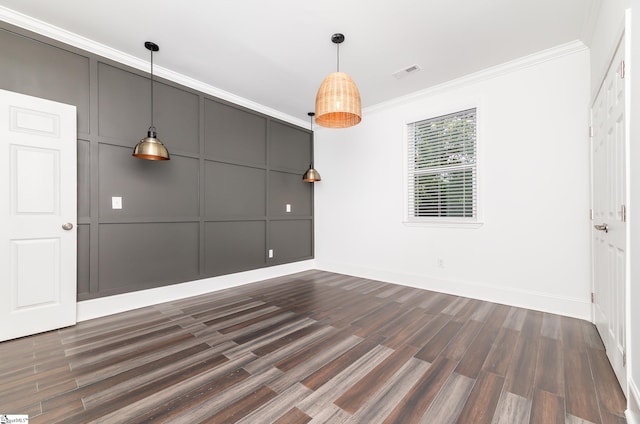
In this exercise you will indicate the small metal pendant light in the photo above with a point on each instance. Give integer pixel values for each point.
(338, 100)
(311, 176)
(150, 147)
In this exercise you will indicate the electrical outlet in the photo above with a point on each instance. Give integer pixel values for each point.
(270, 253)
(440, 263)
(287, 208)
(116, 202)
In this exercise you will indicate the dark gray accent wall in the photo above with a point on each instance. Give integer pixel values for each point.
(234, 246)
(42, 70)
(217, 207)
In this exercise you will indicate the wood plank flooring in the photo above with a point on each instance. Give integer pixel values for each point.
(315, 347)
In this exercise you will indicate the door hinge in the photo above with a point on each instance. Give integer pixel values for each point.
(622, 70)
(623, 213)
(591, 214)
(593, 297)
(624, 360)
(590, 131)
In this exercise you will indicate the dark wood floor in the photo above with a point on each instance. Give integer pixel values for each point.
(315, 347)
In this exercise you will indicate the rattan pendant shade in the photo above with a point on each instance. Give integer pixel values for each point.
(338, 100)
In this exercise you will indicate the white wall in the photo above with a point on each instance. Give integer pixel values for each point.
(607, 31)
(611, 22)
(633, 321)
(533, 249)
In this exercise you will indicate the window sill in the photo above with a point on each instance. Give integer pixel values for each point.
(444, 224)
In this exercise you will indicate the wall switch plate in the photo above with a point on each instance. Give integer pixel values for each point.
(270, 253)
(116, 202)
(287, 208)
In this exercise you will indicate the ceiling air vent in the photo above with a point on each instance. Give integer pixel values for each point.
(406, 71)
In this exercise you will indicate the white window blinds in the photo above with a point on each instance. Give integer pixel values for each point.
(442, 168)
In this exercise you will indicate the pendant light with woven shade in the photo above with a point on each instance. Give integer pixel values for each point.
(311, 176)
(150, 148)
(338, 99)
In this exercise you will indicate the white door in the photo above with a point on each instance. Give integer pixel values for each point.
(609, 214)
(38, 215)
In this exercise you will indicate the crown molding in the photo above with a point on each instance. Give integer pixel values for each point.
(488, 73)
(56, 33)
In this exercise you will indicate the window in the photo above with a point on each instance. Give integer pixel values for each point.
(442, 176)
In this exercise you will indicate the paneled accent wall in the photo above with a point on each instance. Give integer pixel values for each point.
(217, 207)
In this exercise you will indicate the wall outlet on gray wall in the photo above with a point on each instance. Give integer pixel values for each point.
(116, 202)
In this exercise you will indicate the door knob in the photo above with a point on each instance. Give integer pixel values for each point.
(68, 226)
(603, 227)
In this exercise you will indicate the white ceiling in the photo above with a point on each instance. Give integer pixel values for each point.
(276, 52)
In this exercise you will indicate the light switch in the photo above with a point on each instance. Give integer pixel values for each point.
(116, 202)
(287, 208)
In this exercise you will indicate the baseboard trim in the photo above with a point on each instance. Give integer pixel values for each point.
(545, 302)
(633, 403)
(96, 308)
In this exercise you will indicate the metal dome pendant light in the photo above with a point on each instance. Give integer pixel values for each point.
(338, 99)
(311, 176)
(150, 148)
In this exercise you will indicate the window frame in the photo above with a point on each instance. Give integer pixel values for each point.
(445, 222)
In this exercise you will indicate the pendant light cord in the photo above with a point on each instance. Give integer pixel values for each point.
(152, 126)
(311, 115)
(338, 57)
